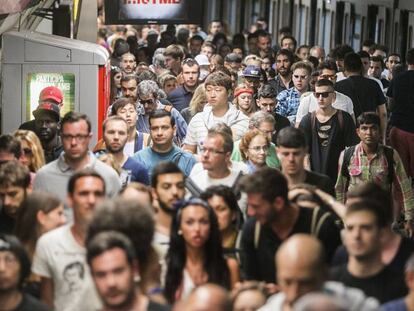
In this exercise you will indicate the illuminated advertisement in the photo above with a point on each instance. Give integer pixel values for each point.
(36, 82)
(152, 11)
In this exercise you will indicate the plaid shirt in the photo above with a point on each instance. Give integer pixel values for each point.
(362, 170)
(287, 104)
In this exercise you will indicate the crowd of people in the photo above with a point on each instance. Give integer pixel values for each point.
(233, 173)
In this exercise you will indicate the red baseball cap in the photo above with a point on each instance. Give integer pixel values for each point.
(51, 92)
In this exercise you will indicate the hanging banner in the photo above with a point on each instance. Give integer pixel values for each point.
(153, 11)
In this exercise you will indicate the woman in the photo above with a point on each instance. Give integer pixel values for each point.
(230, 219)
(39, 213)
(195, 256)
(34, 157)
(243, 100)
(254, 147)
(196, 105)
(116, 76)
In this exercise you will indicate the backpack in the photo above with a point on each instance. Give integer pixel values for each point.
(316, 224)
(389, 155)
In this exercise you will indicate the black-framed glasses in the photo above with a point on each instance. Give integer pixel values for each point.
(147, 102)
(323, 94)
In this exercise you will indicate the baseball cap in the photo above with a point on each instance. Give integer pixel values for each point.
(51, 92)
(47, 107)
(252, 71)
(202, 60)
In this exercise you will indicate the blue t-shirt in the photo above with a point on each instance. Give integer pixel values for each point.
(395, 305)
(149, 159)
(134, 171)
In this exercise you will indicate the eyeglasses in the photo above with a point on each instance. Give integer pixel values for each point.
(147, 102)
(212, 151)
(266, 132)
(323, 94)
(259, 148)
(79, 138)
(298, 77)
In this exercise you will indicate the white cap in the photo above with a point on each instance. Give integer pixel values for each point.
(202, 60)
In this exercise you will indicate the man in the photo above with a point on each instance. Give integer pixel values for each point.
(194, 45)
(264, 123)
(14, 269)
(162, 131)
(218, 86)
(149, 102)
(115, 269)
(46, 127)
(180, 97)
(328, 131)
(129, 86)
(76, 135)
(51, 95)
(338, 54)
(301, 269)
(407, 302)
(10, 149)
(289, 43)
(263, 42)
(289, 100)
(274, 219)
(400, 93)
(283, 80)
(174, 55)
(317, 52)
(214, 27)
(365, 93)
(168, 187)
(115, 136)
(207, 297)
(251, 77)
(233, 62)
(292, 150)
(392, 60)
(128, 63)
(14, 187)
(371, 161)
(208, 49)
(217, 168)
(308, 102)
(266, 101)
(376, 67)
(364, 224)
(63, 249)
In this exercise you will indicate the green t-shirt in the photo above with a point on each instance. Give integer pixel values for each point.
(271, 160)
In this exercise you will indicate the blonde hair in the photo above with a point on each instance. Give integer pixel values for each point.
(199, 99)
(253, 107)
(38, 158)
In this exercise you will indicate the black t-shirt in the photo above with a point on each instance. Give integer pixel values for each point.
(405, 250)
(401, 90)
(31, 304)
(155, 306)
(386, 285)
(324, 152)
(320, 181)
(280, 122)
(6, 222)
(365, 93)
(258, 261)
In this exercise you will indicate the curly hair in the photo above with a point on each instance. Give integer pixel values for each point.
(247, 139)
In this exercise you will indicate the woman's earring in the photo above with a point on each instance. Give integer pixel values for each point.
(137, 278)
(180, 232)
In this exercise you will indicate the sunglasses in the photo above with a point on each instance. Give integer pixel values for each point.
(28, 151)
(323, 94)
(300, 77)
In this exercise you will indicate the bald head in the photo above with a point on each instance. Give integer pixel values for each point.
(318, 52)
(300, 266)
(208, 297)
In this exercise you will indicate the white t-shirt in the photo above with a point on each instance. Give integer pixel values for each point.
(129, 148)
(308, 103)
(59, 257)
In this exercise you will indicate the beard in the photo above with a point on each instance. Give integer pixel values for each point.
(165, 207)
